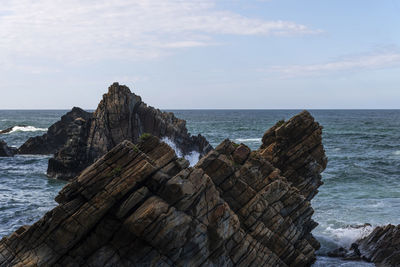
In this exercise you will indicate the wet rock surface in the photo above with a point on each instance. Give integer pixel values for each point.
(382, 246)
(140, 205)
(57, 134)
(5, 150)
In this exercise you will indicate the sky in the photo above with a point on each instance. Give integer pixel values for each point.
(238, 54)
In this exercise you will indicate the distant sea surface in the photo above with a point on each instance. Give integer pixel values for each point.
(361, 182)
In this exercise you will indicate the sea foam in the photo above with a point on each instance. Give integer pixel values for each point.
(192, 157)
(258, 140)
(346, 236)
(27, 129)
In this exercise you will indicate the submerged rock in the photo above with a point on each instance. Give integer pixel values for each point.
(80, 137)
(6, 151)
(140, 205)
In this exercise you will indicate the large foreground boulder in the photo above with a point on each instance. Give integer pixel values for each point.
(5, 150)
(140, 205)
(81, 137)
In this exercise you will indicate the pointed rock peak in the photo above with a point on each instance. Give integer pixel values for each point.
(119, 90)
(295, 147)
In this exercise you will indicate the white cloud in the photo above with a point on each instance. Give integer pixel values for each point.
(80, 30)
(363, 62)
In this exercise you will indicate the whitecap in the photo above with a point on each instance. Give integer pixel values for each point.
(27, 129)
(348, 235)
(192, 157)
(248, 140)
(397, 153)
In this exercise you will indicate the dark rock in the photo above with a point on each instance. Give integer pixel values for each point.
(340, 252)
(6, 151)
(121, 115)
(139, 205)
(382, 246)
(57, 135)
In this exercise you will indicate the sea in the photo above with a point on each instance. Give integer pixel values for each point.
(361, 182)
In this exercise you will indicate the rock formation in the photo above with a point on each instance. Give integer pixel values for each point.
(81, 137)
(56, 136)
(381, 247)
(6, 151)
(140, 205)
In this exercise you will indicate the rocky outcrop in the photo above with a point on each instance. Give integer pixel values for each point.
(80, 137)
(382, 246)
(295, 147)
(140, 205)
(6, 151)
(57, 135)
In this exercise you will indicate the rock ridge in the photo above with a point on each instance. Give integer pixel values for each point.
(141, 205)
(82, 137)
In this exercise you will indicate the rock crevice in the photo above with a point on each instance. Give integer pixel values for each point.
(141, 205)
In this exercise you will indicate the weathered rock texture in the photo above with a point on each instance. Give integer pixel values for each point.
(57, 134)
(142, 206)
(295, 147)
(6, 151)
(382, 246)
(80, 137)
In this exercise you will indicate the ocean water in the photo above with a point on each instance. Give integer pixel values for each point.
(361, 182)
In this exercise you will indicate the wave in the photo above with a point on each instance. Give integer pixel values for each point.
(397, 153)
(248, 140)
(192, 157)
(345, 236)
(26, 129)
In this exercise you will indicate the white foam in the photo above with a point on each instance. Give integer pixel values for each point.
(397, 153)
(248, 140)
(27, 129)
(192, 157)
(348, 235)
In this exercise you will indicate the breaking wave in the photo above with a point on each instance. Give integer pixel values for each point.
(27, 129)
(192, 157)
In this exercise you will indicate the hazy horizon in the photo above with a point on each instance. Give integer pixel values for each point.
(258, 54)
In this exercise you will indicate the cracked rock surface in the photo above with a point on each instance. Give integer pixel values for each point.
(140, 205)
(80, 137)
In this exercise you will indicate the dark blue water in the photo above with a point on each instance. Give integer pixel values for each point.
(361, 182)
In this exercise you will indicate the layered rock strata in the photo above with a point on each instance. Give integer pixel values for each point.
(5, 150)
(295, 147)
(143, 206)
(81, 137)
(382, 246)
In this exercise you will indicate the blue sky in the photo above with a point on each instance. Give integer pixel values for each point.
(266, 54)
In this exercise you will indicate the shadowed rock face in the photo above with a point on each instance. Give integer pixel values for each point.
(57, 134)
(142, 206)
(382, 246)
(6, 151)
(80, 137)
